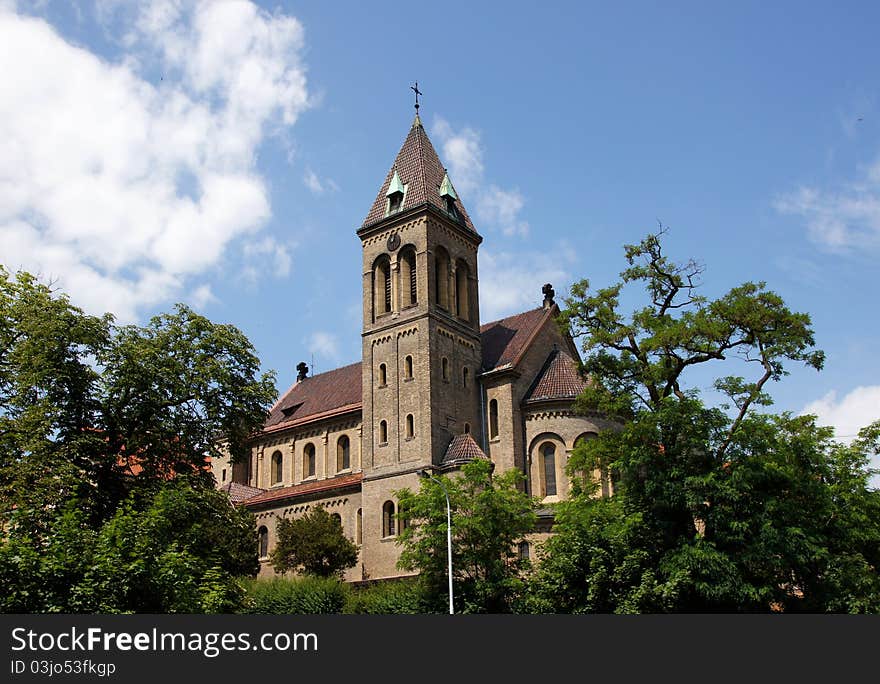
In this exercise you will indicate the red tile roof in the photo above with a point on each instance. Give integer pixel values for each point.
(240, 492)
(419, 168)
(559, 379)
(339, 391)
(329, 393)
(506, 340)
(462, 448)
(304, 488)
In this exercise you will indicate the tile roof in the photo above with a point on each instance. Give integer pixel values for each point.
(338, 391)
(462, 448)
(240, 492)
(419, 168)
(327, 393)
(506, 340)
(317, 486)
(559, 379)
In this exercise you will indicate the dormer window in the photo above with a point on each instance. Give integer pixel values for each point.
(395, 194)
(447, 194)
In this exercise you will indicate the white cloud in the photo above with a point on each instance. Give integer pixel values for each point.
(511, 282)
(840, 220)
(202, 296)
(495, 206)
(265, 257)
(323, 344)
(123, 187)
(858, 408)
(502, 207)
(855, 410)
(316, 185)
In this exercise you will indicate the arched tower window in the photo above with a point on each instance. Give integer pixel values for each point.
(408, 280)
(444, 368)
(465, 375)
(548, 462)
(410, 426)
(359, 527)
(277, 467)
(462, 291)
(343, 453)
(388, 519)
(408, 368)
(383, 432)
(382, 285)
(493, 419)
(263, 535)
(309, 460)
(441, 277)
(383, 375)
(337, 518)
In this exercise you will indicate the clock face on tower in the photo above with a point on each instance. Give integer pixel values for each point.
(393, 242)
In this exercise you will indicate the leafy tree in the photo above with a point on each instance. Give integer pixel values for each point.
(313, 544)
(490, 515)
(715, 509)
(97, 419)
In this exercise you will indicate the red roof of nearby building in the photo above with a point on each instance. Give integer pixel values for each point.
(419, 168)
(505, 341)
(339, 391)
(240, 492)
(325, 394)
(559, 379)
(462, 448)
(271, 495)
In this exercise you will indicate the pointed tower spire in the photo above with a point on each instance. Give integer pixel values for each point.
(417, 178)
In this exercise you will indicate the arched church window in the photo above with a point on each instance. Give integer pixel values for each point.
(493, 419)
(309, 460)
(548, 460)
(462, 291)
(441, 278)
(343, 453)
(410, 426)
(359, 527)
(382, 285)
(277, 467)
(383, 375)
(388, 514)
(408, 368)
(408, 280)
(263, 534)
(383, 432)
(465, 375)
(444, 368)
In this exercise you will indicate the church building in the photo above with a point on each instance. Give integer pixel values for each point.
(435, 386)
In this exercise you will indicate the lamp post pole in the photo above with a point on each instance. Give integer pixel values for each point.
(426, 474)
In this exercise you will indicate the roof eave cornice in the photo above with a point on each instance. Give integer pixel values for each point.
(386, 222)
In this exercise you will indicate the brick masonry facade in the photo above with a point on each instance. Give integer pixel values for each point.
(351, 438)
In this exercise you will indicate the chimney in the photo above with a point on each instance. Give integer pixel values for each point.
(302, 371)
(549, 294)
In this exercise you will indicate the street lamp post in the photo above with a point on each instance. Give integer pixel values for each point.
(426, 475)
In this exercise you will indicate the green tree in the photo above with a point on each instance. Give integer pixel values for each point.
(490, 516)
(718, 509)
(96, 419)
(313, 544)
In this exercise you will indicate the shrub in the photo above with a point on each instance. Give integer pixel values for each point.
(300, 595)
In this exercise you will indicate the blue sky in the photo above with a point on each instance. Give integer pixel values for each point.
(223, 154)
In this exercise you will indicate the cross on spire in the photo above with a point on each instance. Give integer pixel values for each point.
(418, 92)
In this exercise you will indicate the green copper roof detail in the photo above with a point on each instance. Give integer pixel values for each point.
(395, 185)
(446, 189)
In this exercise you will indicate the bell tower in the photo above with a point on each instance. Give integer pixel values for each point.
(421, 332)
